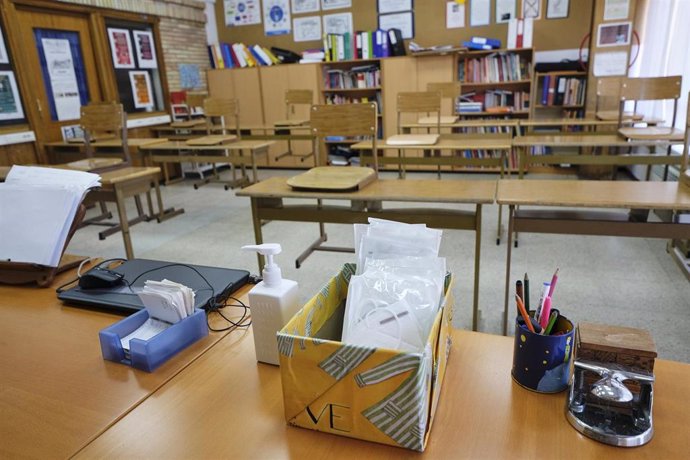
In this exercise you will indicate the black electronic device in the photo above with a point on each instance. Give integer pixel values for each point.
(285, 56)
(100, 278)
(211, 285)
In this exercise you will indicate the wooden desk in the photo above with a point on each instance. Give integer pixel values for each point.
(210, 154)
(563, 122)
(64, 152)
(249, 132)
(524, 143)
(590, 194)
(267, 204)
(56, 391)
(119, 184)
(477, 123)
(225, 405)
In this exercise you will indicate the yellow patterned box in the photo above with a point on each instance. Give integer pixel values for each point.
(376, 394)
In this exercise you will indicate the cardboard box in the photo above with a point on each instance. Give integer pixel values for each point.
(376, 394)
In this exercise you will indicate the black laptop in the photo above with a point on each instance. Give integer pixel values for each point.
(212, 285)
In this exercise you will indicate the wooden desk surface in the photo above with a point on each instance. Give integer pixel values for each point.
(56, 390)
(568, 122)
(466, 124)
(132, 142)
(437, 191)
(582, 140)
(182, 145)
(599, 194)
(225, 405)
(498, 141)
(129, 173)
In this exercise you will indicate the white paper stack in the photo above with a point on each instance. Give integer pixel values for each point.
(37, 208)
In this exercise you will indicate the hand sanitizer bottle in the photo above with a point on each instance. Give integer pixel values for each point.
(273, 302)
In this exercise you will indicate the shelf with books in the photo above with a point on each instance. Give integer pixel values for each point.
(351, 90)
(559, 94)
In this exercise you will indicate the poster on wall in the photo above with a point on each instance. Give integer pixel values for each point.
(505, 11)
(394, 6)
(277, 17)
(614, 34)
(337, 23)
(403, 21)
(480, 13)
(455, 15)
(616, 9)
(146, 51)
(531, 9)
(4, 58)
(557, 9)
(242, 12)
(63, 78)
(305, 6)
(190, 77)
(10, 104)
(307, 28)
(335, 4)
(610, 64)
(121, 48)
(141, 89)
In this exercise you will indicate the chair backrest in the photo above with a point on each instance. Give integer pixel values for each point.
(344, 120)
(194, 100)
(608, 90)
(225, 110)
(448, 89)
(419, 102)
(650, 89)
(294, 97)
(686, 146)
(100, 118)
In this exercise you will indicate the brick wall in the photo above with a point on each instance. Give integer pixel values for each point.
(182, 31)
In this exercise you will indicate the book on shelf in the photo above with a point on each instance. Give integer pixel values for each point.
(563, 91)
(230, 55)
(338, 99)
(362, 77)
(494, 68)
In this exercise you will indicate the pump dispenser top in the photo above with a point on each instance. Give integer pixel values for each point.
(271, 272)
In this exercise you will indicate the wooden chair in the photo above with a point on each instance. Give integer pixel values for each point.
(104, 120)
(293, 99)
(608, 98)
(651, 89)
(221, 115)
(349, 120)
(418, 102)
(449, 90)
(684, 173)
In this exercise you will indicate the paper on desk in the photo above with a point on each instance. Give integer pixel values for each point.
(172, 286)
(149, 329)
(167, 300)
(37, 209)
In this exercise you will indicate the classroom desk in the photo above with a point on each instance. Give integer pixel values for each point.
(57, 392)
(210, 154)
(225, 405)
(475, 123)
(249, 132)
(580, 194)
(63, 152)
(588, 123)
(119, 184)
(267, 204)
(524, 143)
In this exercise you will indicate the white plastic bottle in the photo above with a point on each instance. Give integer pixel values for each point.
(273, 302)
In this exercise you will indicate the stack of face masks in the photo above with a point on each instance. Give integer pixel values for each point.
(394, 297)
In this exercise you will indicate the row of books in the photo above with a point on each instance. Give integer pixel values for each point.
(340, 99)
(368, 76)
(496, 101)
(496, 67)
(229, 55)
(560, 90)
(363, 45)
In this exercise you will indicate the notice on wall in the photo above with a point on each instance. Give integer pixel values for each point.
(190, 76)
(141, 89)
(242, 12)
(4, 57)
(393, 6)
(403, 21)
(610, 64)
(146, 51)
(305, 6)
(335, 4)
(307, 28)
(63, 78)
(121, 48)
(455, 15)
(616, 9)
(480, 13)
(505, 11)
(277, 17)
(337, 23)
(10, 104)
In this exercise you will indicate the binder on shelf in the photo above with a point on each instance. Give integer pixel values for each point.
(397, 45)
(475, 46)
(492, 42)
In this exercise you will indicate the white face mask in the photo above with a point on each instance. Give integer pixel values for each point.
(393, 327)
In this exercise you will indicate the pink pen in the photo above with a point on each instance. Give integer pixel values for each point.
(553, 283)
(545, 313)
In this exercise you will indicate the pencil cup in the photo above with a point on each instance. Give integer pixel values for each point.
(541, 363)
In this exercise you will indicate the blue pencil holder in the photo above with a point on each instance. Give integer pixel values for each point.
(541, 363)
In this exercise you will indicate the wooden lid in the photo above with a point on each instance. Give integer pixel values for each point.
(616, 339)
(333, 178)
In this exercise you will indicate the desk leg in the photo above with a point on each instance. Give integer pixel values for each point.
(511, 218)
(477, 257)
(258, 235)
(163, 214)
(124, 223)
(521, 166)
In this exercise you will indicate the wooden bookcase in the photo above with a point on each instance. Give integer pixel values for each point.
(558, 94)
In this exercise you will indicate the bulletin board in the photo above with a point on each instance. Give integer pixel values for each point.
(430, 26)
(11, 106)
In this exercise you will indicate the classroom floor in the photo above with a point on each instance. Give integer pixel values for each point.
(623, 281)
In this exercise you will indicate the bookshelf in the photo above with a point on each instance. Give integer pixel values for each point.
(559, 94)
(348, 82)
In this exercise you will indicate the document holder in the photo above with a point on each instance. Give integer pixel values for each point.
(26, 273)
(148, 355)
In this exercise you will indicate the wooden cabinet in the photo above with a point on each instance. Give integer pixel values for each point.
(558, 94)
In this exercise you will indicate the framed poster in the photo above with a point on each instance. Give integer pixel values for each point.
(4, 57)
(277, 17)
(63, 78)
(146, 50)
(531, 9)
(335, 4)
(393, 6)
(242, 13)
(121, 48)
(307, 28)
(616, 9)
(403, 21)
(305, 6)
(339, 23)
(10, 104)
(505, 11)
(557, 9)
(141, 89)
(614, 34)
